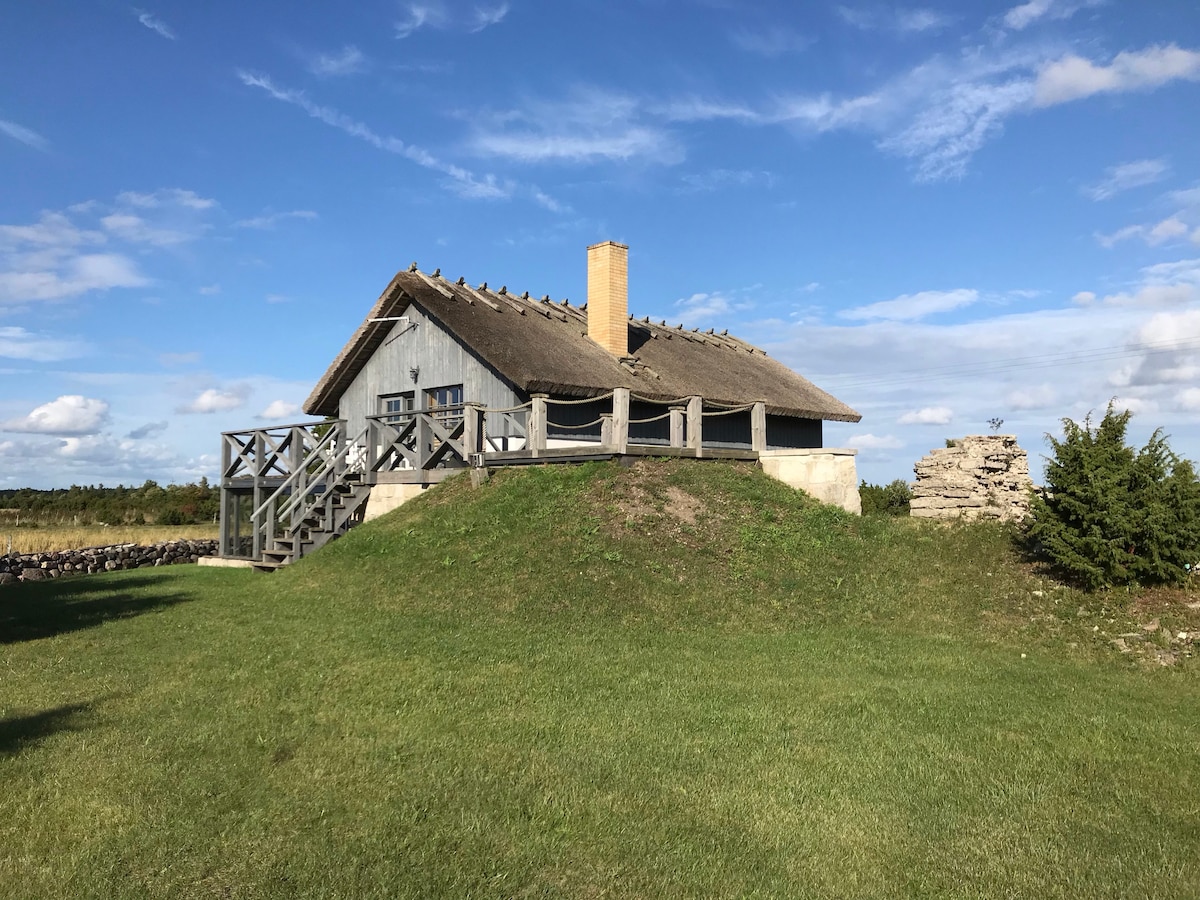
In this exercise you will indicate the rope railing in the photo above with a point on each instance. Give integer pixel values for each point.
(658, 418)
(578, 402)
(569, 427)
(729, 411)
(678, 401)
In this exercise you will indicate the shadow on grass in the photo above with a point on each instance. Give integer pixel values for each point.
(19, 732)
(29, 612)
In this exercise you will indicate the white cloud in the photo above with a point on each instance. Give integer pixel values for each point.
(329, 65)
(588, 126)
(278, 298)
(1020, 17)
(17, 343)
(280, 409)
(270, 220)
(166, 197)
(437, 14)
(26, 136)
(155, 24)
(914, 306)
(461, 181)
(1189, 399)
(874, 442)
(929, 415)
(1153, 235)
(71, 414)
(1074, 78)
(485, 17)
(137, 230)
(209, 290)
(214, 400)
(1126, 176)
(70, 277)
(1040, 396)
(899, 20)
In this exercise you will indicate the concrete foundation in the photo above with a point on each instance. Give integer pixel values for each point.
(386, 497)
(222, 562)
(828, 473)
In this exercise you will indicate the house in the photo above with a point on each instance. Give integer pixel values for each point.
(442, 375)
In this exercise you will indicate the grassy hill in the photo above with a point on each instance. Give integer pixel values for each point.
(680, 679)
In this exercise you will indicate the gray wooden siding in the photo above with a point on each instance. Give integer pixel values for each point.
(440, 361)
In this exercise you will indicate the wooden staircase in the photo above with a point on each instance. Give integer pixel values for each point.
(329, 512)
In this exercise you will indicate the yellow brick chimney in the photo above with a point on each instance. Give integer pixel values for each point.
(608, 296)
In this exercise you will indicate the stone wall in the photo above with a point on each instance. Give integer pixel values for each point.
(980, 477)
(60, 563)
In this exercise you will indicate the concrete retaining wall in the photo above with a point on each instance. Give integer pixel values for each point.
(61, 563)
(829, 474)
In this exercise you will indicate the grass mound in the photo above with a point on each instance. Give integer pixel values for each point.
(676, 680)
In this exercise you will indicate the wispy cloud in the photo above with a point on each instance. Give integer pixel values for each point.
(463, 182)
(18, 343)
(155, 24)
(485, 17)
(720, 179)
(1127, 176)
(1024, 15)
(590, 125)
(1074, 78)
(270, 220)
(897, 20)
(1158, 233)
(279, 409)
(26, 136)
(443, 15)
(776, 40)
(348, 62)
(166, 197)
(908, 307)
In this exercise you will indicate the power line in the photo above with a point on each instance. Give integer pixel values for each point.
(1038, 361)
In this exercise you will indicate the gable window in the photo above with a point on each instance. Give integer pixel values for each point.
(392, 405)
(445, 404)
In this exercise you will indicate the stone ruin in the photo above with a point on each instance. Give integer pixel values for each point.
(978, 477)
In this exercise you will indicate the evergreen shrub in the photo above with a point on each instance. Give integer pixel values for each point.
(885, 500)
(1111, 515)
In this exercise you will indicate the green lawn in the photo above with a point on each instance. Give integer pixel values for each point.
(681, 680)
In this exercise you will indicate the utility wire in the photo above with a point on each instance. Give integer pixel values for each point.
(1039, 361)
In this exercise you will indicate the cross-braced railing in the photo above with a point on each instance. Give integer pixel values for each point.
(424, 439)
(288, 486)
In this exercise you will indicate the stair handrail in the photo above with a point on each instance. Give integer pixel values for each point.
(329, 466)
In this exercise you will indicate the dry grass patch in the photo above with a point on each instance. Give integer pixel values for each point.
(52, 538)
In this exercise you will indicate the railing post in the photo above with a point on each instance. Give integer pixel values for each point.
(758, 427)
(677, 431)
(372, 459)
(536, 438)
(472, 436)
(620, 424)
(606, 429)
(695, 424)
(424, 444)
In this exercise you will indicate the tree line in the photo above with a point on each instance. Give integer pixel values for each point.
(150, 504)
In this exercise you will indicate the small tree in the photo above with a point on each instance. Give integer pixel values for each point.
(1110, 515)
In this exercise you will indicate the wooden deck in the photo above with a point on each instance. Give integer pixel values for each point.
(289, 489)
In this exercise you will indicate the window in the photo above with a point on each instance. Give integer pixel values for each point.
(445, 403)
(393, 404)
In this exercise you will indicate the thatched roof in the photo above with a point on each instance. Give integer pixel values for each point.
(540, 346)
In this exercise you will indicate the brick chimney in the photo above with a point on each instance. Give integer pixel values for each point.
(608, 296)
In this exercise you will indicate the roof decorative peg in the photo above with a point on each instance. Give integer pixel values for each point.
(503, 290)
(482, 286)
(461, 281)
(437, 273)
(413, 267)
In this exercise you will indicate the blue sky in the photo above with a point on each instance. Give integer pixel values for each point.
(941, 213)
